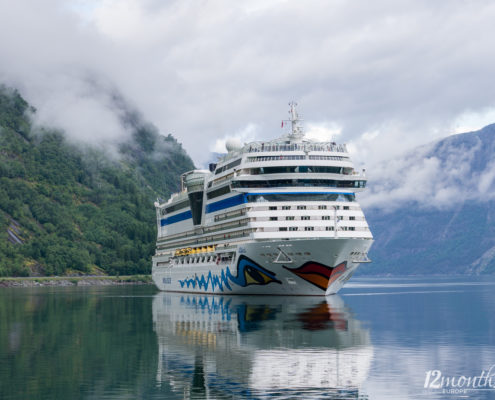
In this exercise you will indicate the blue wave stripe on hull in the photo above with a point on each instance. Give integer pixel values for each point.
(211, 280)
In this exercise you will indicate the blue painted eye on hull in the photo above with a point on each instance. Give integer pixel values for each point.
(251, 273)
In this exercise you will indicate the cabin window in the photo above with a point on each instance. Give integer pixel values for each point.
(293, 183)
(321, 169)
(178, 206)
(228, 166)
(218, 192)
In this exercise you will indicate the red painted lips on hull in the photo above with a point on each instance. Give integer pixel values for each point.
(318, 274)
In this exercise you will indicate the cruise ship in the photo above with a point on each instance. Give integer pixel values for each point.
(269, 218)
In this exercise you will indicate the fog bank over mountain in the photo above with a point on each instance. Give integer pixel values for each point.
(433, 211)
(439, 175)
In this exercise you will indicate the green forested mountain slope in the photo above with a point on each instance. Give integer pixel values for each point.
(66, 208)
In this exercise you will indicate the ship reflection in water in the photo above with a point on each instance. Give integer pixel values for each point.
(255, 347)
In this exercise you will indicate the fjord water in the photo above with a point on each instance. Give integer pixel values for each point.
(376, 340)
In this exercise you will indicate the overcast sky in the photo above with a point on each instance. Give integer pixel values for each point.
(382, 76)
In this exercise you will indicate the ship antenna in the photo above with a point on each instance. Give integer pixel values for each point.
(297, 132)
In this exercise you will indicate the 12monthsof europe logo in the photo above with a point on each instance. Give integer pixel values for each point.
(460, 384)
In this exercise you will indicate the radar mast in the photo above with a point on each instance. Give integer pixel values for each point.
(297, 131)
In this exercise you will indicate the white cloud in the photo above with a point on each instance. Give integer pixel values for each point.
(323, 132)
(85, 110)
(486, 180)
(470, 121)
(203, 70)
(245, 135)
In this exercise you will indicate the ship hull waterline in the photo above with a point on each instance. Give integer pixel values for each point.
(306, 267)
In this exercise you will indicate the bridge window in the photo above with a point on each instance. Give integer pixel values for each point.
(284, 197)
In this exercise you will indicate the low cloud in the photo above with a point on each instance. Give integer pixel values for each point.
(486, 181)
(245, 135)
(86, 111)
(435, 176)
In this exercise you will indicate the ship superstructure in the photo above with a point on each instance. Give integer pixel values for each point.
(275, 217)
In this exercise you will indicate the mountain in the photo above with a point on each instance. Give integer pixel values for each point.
(67, 208)
(73, 208)
(432, 211)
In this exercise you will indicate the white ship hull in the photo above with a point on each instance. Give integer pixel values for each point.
(283, 267)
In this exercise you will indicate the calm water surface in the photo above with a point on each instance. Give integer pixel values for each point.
(376, 340)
